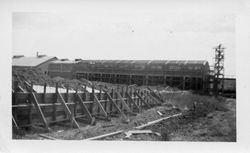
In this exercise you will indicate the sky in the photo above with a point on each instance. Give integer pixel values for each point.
(125, 32)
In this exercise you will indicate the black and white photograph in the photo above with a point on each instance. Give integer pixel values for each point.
(125, 72)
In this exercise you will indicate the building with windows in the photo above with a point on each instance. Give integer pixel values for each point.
(187, 75)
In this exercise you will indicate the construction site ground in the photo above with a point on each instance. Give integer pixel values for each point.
(217, 125)
(204, 118)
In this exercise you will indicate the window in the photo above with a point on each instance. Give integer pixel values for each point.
(197, 68)
(174, 67)
(156, 67)
(139, 67)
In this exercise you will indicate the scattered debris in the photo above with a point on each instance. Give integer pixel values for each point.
(109, 125)
(47, 137)
(156, 121)
(129, 133)
(159, 113)
(105, 135)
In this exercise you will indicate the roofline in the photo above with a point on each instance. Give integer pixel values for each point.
(45, 61)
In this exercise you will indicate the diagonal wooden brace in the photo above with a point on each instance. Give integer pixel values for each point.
(157, 96)
(39, 110)
(152, 101)
(124, 103)
(100, 106)
(133, 102)
(155, 99)
(67, 110)
(14, 121)
(142, 100)
(115, 105)
(85, 109)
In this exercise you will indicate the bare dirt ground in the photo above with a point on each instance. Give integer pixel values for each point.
(217, 124)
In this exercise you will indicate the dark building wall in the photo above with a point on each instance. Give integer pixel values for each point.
(188, 75)
(61, 69)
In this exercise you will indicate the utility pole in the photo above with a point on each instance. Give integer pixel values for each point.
(219, 70)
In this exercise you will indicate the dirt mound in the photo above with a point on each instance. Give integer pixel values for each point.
(153, 114)
(216, 123)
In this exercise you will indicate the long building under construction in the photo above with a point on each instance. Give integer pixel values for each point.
(187, 75)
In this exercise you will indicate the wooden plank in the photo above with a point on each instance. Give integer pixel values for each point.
(67, 110)
(100, 106)
(85, 109)
(39, 110)
(47, 137)
(124, 103)
(14, 121)
(105, 135)
(132, 101)
(156, 121)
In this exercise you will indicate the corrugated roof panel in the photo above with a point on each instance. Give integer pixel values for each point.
(179, 62)
(30, 61)
(64, 62)
(158, 61)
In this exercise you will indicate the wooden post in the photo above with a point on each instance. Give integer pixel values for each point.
(128, 101)
(117, 97)
(44, 92)
(112, 96)
(55, 101)
(141, 93)
(67, 97)
(99, 96)
(31, 87)
(106, 103)
(75, 103)
(15, 86)
(92, 99)
(85, 88)
(30, 101)
(145, 96)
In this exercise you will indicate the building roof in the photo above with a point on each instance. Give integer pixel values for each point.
(179, 62)
(30, 61)
(64, 62)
